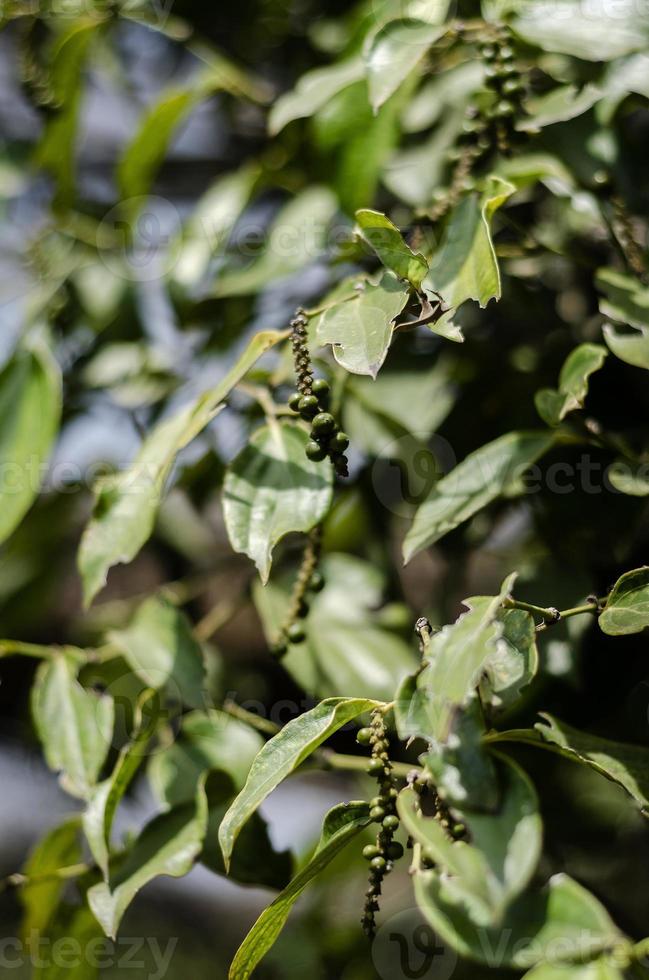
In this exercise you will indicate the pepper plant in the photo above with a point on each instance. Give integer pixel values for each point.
(393, 354)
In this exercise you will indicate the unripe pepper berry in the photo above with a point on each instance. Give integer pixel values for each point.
(323, 424)
(308, 406)
(315, 452)
(370, 851)
(294, 401)
(295, 633)
(363, 736)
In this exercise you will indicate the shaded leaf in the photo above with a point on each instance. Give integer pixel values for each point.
(462, 768)
(559, 105)
(601, 969)
(488, 873)
(74, 931)
(360, 330)
(627, 765)
(627, 604)
(513, 664)
(341, 825)
(271, 489)
(387, 241)
(126, 503)
(168, 845)
(74, 725)
(159, 646)
(284, 753)
(465, 266)
(30, 408)
(629, 478)
(562, 922)
(553, 405)
(627, 300)
(394, 52)
(478, 480)
(59, 848)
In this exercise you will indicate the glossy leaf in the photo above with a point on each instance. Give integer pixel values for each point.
(271, 489)
(626, 300)
(559, 105)
(462, 768)
(627, 604)
(168, 845)
(295, 238)
(465, 265)
(314, 90)
(387, 241)
(207, 741)
(30, 408)
(478, 480)
(600, 34)
(127, 503)
(553, 405)
(105, 798)
(360, 330)
(490, 871)
(513, 664)
(74, 725)
(159, 646)
(282, 755)
(629, 478)
(627, 765)
(394, 52)
(456, 659)
(341, 825)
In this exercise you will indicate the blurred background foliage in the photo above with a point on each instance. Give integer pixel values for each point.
(108, 107)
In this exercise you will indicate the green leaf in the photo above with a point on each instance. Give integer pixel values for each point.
(633, 348)
(341, 825)
(626, 765)
(57, 149)
(30, 408)
(553, 406)
(629, 478)
(601, 969)
(478, 480)
(74, 929)
(513, 664)
(559, 105)
(159, 646)
(208, 740)
(59, 848)
(360, 330)
(74, 725)
(394, 52)
(387, 241)
(488, 873)
(313, 91)
(462, 768)
(627, 300)
(346, 650)
(456, 659)
(105, 798)
(598, 35)
(627, 604)
(562, 922)
(282, 755)
(296, 237)
(465, 266)
(271, 489)
(169, 845)
(127, 503)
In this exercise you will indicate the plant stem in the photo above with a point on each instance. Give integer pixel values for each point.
(357, 763)
(263, 725)
(549, 614)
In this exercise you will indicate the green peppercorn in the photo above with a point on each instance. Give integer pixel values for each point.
(295, 633)
(320, 389)
(323, 424)
(339, 442)
(394, 851)
(378, 863)
(488, 52)
(279, 649)
(308, 406)
(317, 583)
(376, 801)
(363, 736)
(503, 109)
(374, 767)
(294, 402)
(459, 830)
(391, 822)
(377, 813)
(315, 451)
(370, 851)
(303, 609)
(512, 85)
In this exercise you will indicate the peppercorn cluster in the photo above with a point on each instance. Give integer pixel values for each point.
(385, 851)
(505, 81)
(309, 579)
(311, 402)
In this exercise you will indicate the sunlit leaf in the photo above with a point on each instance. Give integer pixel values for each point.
(627, 604)
(314, 90)
(553, 405)
(513, 664)
(126, 504)
(282, 755)
(387, 241)
(271, 489)
(559, 105)
(341, 825)
(598, 35)
(601, 969)
(394, 52)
